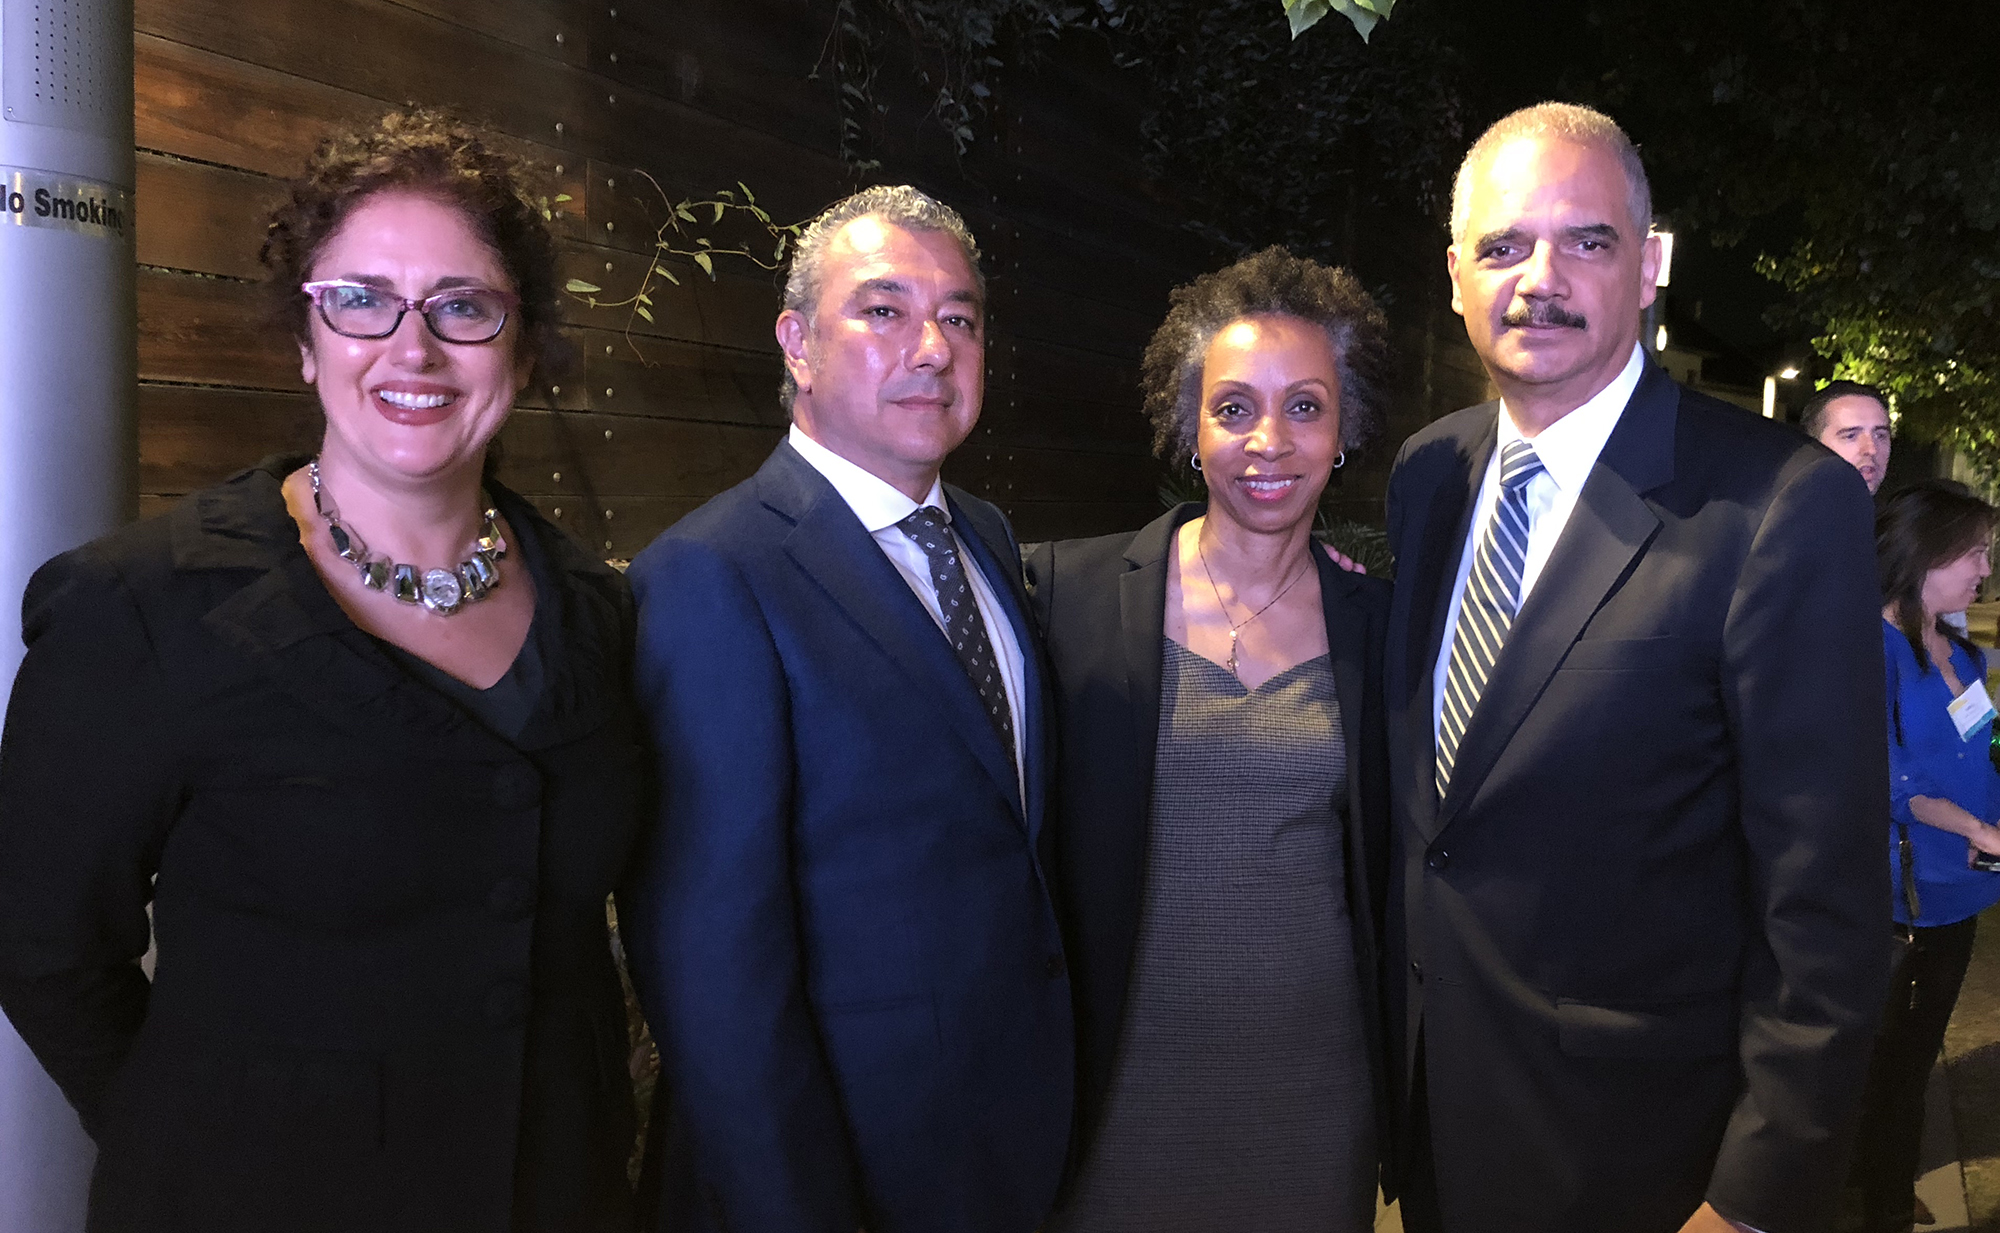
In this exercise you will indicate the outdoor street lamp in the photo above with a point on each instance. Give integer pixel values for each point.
(1654, 330)
(1789, 372)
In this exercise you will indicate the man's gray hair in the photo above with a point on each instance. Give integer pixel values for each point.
(899, 205)
(1570, 122)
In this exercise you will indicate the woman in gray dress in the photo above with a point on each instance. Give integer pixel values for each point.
(1222, 785)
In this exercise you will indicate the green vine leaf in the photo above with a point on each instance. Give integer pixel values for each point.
(564, 197)
(1305, 14)
(675, 238)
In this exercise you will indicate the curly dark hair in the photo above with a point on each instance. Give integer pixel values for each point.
(1269, 283)
(432, 152)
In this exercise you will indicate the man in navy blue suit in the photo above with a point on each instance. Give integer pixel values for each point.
(842, 930)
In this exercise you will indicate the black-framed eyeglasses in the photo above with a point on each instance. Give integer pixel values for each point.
(456, 315)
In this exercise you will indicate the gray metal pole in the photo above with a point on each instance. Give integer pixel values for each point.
(68, 445)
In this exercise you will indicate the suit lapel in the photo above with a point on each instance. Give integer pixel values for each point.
(1142, 624)
(1347, 644)
(1450, 523)
(994, 554)
(829, 544)
(1606, 533)
(586, 663)
(1447, 511)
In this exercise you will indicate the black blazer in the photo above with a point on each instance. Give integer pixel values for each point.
(1641, 935)
(841, 925)
(384, 997)
(1101, 604)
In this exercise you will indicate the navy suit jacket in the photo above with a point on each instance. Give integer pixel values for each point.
(1641, 934)
(841, 928)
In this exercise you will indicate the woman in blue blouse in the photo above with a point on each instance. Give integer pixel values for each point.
(1932, 543)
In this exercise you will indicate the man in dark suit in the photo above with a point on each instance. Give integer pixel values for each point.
(1636, 700)
(844, 937)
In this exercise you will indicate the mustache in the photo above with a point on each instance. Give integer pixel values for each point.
(1546, 313)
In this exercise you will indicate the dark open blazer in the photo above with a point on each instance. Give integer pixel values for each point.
(1641, 935)
(385, 997)
(842, 927)
(1102, 607)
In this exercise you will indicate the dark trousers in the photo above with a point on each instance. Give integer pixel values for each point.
(1890, 1142)
(1419, 1196)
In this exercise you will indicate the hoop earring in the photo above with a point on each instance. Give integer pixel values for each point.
(1195, 462)
(1340, 460)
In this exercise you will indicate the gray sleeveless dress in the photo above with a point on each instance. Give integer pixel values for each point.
(1240, 1098)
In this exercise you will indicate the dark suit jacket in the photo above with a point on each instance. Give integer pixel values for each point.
(385, 997)
(843, 932)
(1641, 936)
(1102, 606)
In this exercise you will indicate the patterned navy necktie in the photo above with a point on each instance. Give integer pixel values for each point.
(1492, 598)
(964, 628)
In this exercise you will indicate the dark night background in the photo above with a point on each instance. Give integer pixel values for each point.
(1848, 148)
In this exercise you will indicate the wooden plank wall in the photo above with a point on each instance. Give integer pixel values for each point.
(231, 94)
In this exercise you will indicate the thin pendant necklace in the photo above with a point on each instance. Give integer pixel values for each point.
(443, 591)
(1236, 629)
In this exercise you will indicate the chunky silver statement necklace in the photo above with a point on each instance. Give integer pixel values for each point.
(443, 591)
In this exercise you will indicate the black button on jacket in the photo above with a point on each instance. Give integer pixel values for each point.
(384, 996)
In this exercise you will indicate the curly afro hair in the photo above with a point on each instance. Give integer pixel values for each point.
(431, 152)
(1270, 283)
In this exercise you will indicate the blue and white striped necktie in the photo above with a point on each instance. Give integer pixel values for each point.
(1492, 597)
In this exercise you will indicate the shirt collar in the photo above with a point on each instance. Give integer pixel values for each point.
(1569, 447)
(875, 501)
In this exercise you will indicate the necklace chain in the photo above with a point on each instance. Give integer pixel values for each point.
(443, 591)
(1238, 628)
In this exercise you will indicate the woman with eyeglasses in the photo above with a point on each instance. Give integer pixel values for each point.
(347, 740)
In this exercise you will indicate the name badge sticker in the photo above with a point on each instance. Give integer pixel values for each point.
(1971, 710)
(38, 199)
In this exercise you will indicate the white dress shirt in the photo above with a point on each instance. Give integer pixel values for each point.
(1568, 449)
(880, 506)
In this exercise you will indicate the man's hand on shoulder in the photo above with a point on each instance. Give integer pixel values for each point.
(1341, 559)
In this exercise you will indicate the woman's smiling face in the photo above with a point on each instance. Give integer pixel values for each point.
(1269, 427)
(1954, 586)
(411, 406)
